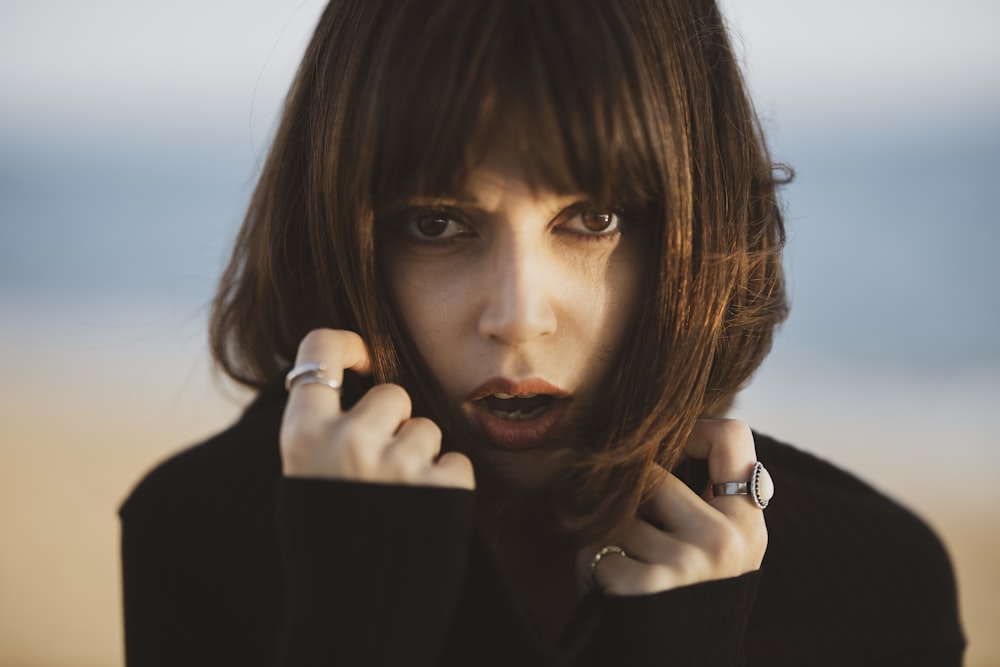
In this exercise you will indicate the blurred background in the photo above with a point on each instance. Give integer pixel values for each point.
(131, 134)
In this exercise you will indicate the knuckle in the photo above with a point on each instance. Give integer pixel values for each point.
(403, 455)
(717, 539)
(727, 550)
(392, 393)
(314, 341)
(690, 567)
(734, 430)
(402, 465)
(427, 428)
(453, 470)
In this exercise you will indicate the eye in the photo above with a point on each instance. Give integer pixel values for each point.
(590, 221)
(433, 225)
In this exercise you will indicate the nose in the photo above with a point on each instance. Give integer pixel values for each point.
(519, 286)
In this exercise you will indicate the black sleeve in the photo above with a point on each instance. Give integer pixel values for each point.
(703, 624)
(372, 572)
(200, 574)
(162, 623)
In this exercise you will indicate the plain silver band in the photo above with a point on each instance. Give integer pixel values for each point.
(316, 379)
(311, 372)
(731, 489)
(610, 549)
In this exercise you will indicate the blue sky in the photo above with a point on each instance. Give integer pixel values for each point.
(114, 60)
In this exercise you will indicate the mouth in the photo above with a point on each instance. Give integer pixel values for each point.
(517, 415)
(517, 407)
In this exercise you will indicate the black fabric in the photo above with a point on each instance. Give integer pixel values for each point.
(227, 563)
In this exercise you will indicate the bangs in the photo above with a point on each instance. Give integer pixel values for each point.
(558, 88)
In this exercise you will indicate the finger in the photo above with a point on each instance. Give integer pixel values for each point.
(455, 470)
(673, 506)
(337, 350)
(382, 411)
(728, 446)
(418, 437)
(616, 574)
(347, 348)
(647, 543)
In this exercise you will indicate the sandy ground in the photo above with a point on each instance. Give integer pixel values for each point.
(71, 448)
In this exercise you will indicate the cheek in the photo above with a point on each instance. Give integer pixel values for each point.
(607, 295)
(429, 301)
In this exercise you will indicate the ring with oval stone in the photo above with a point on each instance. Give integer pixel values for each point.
(760, 487)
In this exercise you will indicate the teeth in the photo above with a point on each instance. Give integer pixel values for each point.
(510, 396)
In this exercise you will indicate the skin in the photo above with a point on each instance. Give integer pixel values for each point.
(509, 281)
(527, 291)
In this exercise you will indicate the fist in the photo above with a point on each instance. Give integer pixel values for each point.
(377, 440)
(680, 538)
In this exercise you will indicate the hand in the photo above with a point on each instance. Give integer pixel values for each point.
(375, 441)
(680, 538)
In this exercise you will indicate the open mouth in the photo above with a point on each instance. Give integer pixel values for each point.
(517, 407)
(516, 415)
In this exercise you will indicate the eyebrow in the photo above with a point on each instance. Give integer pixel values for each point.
(441, 200)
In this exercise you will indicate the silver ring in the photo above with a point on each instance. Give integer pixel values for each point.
(311, 372)
(316, 379)
(610, 549)
(760, 487)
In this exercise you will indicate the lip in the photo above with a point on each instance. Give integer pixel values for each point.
(501, 385)
(516, 435)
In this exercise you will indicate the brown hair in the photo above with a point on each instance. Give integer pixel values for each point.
(634, 101)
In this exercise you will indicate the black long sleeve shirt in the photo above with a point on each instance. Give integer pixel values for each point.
(226, 562)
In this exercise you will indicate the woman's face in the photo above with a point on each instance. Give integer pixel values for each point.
(518, 300)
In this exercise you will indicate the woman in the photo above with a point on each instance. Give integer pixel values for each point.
(513, 261)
